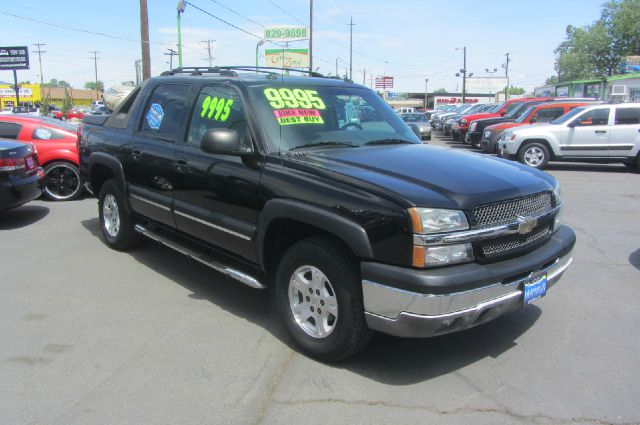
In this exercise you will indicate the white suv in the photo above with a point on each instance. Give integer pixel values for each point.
(593, 133)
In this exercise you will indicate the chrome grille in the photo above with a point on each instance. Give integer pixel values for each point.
(508, 211)
(512, 243)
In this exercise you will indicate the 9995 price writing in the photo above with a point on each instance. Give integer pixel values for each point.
(296, 98)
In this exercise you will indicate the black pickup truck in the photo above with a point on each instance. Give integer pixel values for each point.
(315, 187)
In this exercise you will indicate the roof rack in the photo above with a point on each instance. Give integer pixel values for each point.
(230, 70)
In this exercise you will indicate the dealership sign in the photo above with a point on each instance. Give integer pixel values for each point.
(384, 82)
(287, 58)
(12, 58)
(24, 92)
(454, 100)
(286, 33)
(486, 84)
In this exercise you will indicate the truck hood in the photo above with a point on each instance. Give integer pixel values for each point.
(474, 117)
(429, 176)
(534, 128)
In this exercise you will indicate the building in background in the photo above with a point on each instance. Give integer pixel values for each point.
(32, 95)
(623, 88)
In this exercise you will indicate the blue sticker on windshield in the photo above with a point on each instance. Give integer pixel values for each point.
(155, 115)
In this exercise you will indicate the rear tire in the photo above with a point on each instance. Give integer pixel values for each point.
(116, 219)
(62, 181)
(313, 274)
(534, 154)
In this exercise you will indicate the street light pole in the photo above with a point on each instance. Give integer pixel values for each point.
(426, 102)
(464, 75)
(260, 43)
(180, 8)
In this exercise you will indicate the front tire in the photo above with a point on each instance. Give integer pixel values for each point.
(319, 297)
(534, 154)
(116, 218)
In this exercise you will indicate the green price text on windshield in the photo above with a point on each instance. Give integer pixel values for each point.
(296, 98)
(216, 109)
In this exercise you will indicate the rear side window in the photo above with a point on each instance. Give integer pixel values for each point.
(627, 116)
(9, 130)
(42, 133)
(548, 114)
(166, 111)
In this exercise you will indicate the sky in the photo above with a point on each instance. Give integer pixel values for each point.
(409, 40)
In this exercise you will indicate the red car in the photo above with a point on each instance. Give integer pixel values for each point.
(73, 113)
(55, 142)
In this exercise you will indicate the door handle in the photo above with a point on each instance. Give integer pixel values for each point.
(136, 154)
(181, 165)
(601, 131)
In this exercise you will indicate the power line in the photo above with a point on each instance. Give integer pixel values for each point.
(171, 54)
(237, 13)
(208, 48)
(286, 12)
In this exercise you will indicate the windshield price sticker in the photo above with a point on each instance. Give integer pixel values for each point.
(298, 116)
(296, 98)
(217, 109)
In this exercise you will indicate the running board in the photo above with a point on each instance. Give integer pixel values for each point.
(201, 257)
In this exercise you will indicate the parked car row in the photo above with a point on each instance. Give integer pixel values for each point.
(535, 131)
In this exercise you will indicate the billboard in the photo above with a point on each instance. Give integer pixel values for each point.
(384, 82)
(286, 33)
(14, 58)
(287, 58)
(486, 84)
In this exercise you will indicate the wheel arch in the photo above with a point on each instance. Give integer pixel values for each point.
(286, 222)
(545, 142)
(103, 167)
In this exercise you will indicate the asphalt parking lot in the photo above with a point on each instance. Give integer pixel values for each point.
(94, 336)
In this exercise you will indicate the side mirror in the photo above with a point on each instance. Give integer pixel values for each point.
(503, 113)
(572, 124)
(533, 120)
(224, 141)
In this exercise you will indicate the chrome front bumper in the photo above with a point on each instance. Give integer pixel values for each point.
(409, 314)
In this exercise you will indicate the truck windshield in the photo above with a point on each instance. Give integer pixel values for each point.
(308, 116)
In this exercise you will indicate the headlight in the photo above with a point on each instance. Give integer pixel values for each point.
(430, 220)
(463, 121)
(487, 134)
(557, 196)
(447, 254)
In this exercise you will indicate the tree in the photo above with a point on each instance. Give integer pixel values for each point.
(63, 84)
(25, 82)
(91, 85)
(621, 18)
(46, 102)
(516, 90)
(440, 91)
(67, 102)
(553, 80)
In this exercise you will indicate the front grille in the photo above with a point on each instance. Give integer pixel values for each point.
(511, 244)
(508, 211)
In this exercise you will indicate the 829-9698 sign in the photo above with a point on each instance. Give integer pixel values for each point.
(286, 33)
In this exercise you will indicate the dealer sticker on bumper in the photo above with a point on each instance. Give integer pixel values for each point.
(535, 289)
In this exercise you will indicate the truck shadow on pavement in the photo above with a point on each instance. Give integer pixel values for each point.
(387, 359)
(22, 216)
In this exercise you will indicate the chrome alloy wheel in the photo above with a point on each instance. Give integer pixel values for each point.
(111, 215)
(313, 301)
(62, 181)
(533, 156)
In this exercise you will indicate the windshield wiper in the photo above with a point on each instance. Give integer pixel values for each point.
(388, 142)
(324, 143)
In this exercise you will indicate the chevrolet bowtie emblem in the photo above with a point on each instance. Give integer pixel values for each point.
(526, 224)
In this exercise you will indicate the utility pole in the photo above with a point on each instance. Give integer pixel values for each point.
(351, 24)
(40, 52)
(171, 54)
(337, 59)
(311, 36)
(506, 74)
(371, 81)
(364, 76)
(95, 65)
(144, 40)
(210, 58)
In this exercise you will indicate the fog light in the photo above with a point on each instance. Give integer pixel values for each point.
(448, 254)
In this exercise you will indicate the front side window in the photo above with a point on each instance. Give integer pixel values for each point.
(216, 107)
(593, 117)
(166, 112)
(302, 116)
(626, 116)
